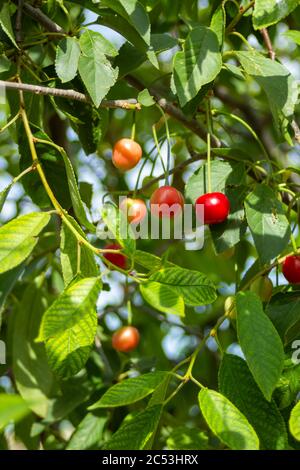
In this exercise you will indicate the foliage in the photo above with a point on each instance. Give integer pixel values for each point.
(210, 93)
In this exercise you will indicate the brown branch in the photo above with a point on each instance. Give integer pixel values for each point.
(19, 21)
(70, 94)
(41, 18)
(268, 43)
(174, 112)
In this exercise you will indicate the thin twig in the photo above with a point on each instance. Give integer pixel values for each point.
(268, 43)
(19, 21)
(41, 18)
(69, 94)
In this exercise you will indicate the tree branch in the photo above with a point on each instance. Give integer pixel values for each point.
(268, 43)
(70, 94)
(174, 112)
(41, 18)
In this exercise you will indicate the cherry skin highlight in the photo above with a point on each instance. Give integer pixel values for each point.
(117, 259)
(135, 209)
(216, 207)
(166, 201)
(126, 154)
(291, 269)
(125, 339)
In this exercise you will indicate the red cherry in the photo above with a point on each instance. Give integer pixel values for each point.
(135, 209)
(291, 269)
(216, 207)
(126, 154)
(115, 258)
(126, 339)
(166, 201)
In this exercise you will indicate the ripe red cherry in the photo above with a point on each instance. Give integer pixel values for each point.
(291, 269)
(126, 154)
(115, 258)
(216, 207)
(166, 201)
(125, 339)
(135, 209)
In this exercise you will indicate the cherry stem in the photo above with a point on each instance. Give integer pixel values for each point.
(129, 308)
(294, 244)
(133, 129)
(208, 163)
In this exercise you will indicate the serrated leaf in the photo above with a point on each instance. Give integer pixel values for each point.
(97, 75)
(136, 433)
(199, 63)
(130, 390)
(184, 438)
(3, 195)
(163, 298)
(18, 238)
(268, 12)
(260, 342)
(5, 23)
(69, 326)
(294, 422)
(93, 43)
(89, 433)
(7, 283)
(150, 261)
(194, 287)
(145, 99)
(117, 224)
(67, 57)
(12, 409)
(267, 221)
(68, 254)
(227, 422)
(238, 385)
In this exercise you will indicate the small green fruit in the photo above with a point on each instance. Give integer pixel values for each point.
(263, 287)
(229, 307)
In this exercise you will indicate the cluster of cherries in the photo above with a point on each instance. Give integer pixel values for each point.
(126, 155)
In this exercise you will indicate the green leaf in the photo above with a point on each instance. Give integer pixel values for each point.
(267, 221)
(117, 224)
(5, 63)
(184, 438)
(69, 326)
(130, 390)
(12, 409)
(288, 386)
(97, 75)
(34, 379)
(163, 298)
(264, 416)
(18, 238)
(194, 287)
(284, 313)
(68, 254)
(260, 342)
(199, 63)
(3, 195)
(89, 433)
(145, 99)
(294, 422)
(7, 283)
(227, 422)
(277, 82)
(92, 43)
(268, 12)
(135, 434)
(224, 175)
(150, 261)
(5, 23)
(67, 57)
(293, 35)
(217, 23)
